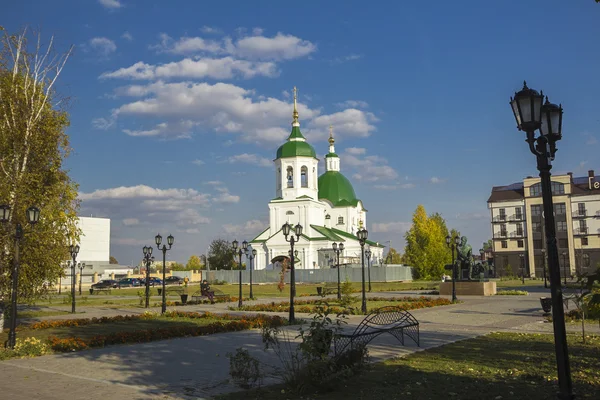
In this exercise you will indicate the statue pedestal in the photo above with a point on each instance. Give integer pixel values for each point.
(469, 288)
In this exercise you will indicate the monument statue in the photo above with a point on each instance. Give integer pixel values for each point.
(464, 261)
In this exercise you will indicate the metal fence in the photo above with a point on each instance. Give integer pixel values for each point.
(388, 273)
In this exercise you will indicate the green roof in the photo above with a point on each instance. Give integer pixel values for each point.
(331, 155)
(354, 237)
(326, 232)
(296, 134)
(296, 148)
(336, 188)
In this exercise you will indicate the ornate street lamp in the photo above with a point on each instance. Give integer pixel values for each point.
(148, 260)
(33, 217)
(544, 267)
(286, 228)
(453, 245)
(81, 267)
(242, 250)
(251, 257)
(362, 235)
(522, 258)
(338, 250)
(164, 248)
(368, 254)
(74, 250)
(531, 115)
(564, 254)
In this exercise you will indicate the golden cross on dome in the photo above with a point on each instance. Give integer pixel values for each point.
(295, 114)
(331, 139)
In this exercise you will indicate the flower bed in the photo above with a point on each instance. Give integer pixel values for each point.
(512, 293)
(308, 306)
(231, 323)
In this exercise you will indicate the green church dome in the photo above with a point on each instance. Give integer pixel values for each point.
(336, 188)
(295, 148)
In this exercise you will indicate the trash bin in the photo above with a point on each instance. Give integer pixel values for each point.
(159, 292)
(546, 303)
(184, 298)
(319, 290)
(91, 291)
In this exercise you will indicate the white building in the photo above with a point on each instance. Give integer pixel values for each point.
(94, 241)
(326, 206)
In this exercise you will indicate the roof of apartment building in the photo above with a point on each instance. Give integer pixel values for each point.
(515, 191)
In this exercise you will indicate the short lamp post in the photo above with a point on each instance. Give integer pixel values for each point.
(293, 238)
(81, 267)
(368, 254)
(453, 246)
(74, 250)
(564, 254)
(33, 217)
(251, 256)
(241, 251)
(544, 268)
(164, 248)
(148, 260)
(531, 114)
(522, 258)
(362, 235)
(338, 250)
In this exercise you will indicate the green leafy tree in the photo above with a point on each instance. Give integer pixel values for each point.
(393, 257)
(33, 147)
(112, 260)
(194, 263)
(176, 267)
(221, 254)
(426, 250)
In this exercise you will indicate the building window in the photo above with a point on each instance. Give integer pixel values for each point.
(563, 243)
(520, 243)
(520, 229)
(536, 210)
(561, 226)
(536, 227)
(581, 208)
(504, 244)
(586, 260)
(535, 190)
(502, 229)
(328, 216)
(340, 220)
(560, 209)
(584, 241)
(290, 177)
(558, 188)
(537, 244)
(518, 213)
(304, 176)
(502, 214)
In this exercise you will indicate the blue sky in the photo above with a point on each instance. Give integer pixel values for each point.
(177, 107)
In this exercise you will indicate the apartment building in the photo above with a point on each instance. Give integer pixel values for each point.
(517, 221)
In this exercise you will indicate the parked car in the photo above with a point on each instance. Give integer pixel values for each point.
(173, 280)
(106, 284)
(153, 281)
(129, 282)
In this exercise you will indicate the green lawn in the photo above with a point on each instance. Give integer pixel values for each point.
(496, 366)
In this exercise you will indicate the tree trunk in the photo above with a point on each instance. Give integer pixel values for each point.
(2, 316)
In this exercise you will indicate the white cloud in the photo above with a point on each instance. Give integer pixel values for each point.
(226, 197)
(351, 122)
(216, 68)
(590, 139)
(473, 216)
(252, 159)
(127, 36)
(198, 162)
(213, 183)
(102, 46)
(131, 221)
(435, 180)
(112, 4)
(250, 228)
(257, 31)
(103, 123)
(173, 130)
(343, 59)
(370, 168)
(391, 227)
(353, 104)
(356, 150)
(210, 30)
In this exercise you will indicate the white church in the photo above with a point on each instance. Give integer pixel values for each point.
(326, 207)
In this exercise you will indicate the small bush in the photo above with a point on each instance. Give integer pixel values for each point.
(31, 347)
(512, 293)
(244, 369)
(347, 299)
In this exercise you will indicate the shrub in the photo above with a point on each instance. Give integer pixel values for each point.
(244, 369)
(31, 347)
(512, 293)
(347, 299)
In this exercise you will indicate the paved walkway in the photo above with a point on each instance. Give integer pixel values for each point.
(197, 368)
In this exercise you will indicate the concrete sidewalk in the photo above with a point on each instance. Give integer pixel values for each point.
(197, 368)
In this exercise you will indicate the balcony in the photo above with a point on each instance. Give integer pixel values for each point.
(580, 213)
(500, 234)
(581, 231)
(499, 218)
(517, 217)
(517, 234)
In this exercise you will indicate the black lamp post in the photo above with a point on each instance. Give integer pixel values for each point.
(286, 228)
(337, 250)
(148, 260)
(564, 254)
(368, 254)
(81, 267)
(251, 257)
(242, 250)
(522, 258)
(362, 235)
(33, 217)
(164, 248)
(74, 250)
(544, 267)
(453, 246)
(532, 114)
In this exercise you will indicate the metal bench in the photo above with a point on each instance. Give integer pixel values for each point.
(329, 288)
(198, 296)
(100, 290)
(391, 319)
(174, 290)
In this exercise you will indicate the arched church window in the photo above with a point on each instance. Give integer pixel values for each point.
(328, 216)
(304, 176)
(289, 213)
(290, 177)
(340, 220)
